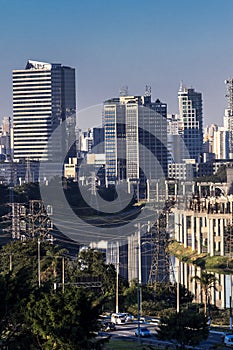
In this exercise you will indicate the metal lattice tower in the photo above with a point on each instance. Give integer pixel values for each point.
(40, 224)
(160, 265)
(30, 221)
(18, 220)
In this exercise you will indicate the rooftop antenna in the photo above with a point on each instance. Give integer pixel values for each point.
(147, 91)
(124, 91)
(181, 85)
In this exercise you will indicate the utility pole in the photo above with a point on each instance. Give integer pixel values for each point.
(38, 256)
(139, 280)
(230, 314)
(139, 314)
(117, 276)
(208, 301)
(178, 287)
(63, 274)
(10, 263)
(139, 267)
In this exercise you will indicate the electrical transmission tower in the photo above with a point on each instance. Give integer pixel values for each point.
(30, 221)
(40, 223)
(160, 265)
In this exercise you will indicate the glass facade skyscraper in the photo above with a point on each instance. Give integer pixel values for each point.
(135, 138)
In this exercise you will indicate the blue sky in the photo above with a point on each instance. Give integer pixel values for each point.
(117, 43)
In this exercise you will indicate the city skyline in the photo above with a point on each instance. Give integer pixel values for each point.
(125, 43)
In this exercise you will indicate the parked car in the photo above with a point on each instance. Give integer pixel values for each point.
(107, 326)
(228, 340)
(118, 318)
(224, 334)
(144, 332)
(129, 317)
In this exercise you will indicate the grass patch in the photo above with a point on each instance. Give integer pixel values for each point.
(131, 345)
(124, 345)
(221, 264)
(186, 254)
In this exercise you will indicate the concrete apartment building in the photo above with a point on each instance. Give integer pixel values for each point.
(203, 222)
(43, 98)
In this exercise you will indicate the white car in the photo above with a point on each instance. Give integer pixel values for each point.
(129, 318)
(118, 318)
(228, 340)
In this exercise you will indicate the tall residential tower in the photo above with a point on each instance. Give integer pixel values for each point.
(190, 107)
(228, 117)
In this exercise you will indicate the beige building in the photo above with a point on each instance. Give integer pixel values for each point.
(70, 169)
(204, 222)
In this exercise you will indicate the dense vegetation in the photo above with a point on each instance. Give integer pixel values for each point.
(54, 301)
(35, 315)
(187, 328)
(39, 317)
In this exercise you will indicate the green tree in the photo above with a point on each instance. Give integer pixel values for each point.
(91, 265)
(22, 300)
(19, 279)
(62, 320)
(26, 192)
(207, 281)
(19, 255)
(155, 299)
(166, 293)
(186, 328)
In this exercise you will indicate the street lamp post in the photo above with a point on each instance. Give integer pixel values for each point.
(63, 274)
(178, 287)
(139, 311)
(139, 279)
(139, 274)
(117, 276)
(230, 313)
(38, 256)
(208, 310)
(139, 268)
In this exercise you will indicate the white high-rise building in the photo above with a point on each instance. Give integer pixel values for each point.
(228, 116)
(209, 137)
(43, 97)
(220, 143)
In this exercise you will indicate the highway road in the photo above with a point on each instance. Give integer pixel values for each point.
(127, 331)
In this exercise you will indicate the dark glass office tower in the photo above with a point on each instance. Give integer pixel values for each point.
(133, 125)
(191, 116)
